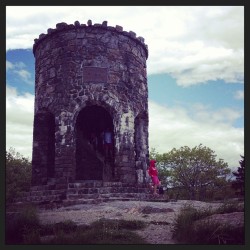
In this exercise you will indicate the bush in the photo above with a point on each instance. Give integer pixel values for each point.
(187, 231)
(103, 231)
(230, 207)
(25, 229)
(183, 224)
(210, 232)
(120, 224)
(18, 174)
(22, 227)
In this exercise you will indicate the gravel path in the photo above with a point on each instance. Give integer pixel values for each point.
(159, 215)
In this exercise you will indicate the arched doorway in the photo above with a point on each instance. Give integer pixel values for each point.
(91, 163)
(43, 159)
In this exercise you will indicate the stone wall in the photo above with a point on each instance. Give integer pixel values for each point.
(101, 68)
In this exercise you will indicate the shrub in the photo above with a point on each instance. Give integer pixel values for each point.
(120, 224)
(230, 207)
(18, 174)
(188, 229)
(21, 226)
(67, 226)
(182, 230)
(211, 232)
(24, 228)
(103, 231)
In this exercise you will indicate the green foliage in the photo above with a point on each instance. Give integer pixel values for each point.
(210, 232)
(230, 207)
(239, 183)
(103, 231)
(183, 224)
(187, 231)
(65, 226)
(22, 227)
(18, 174)
(121, 224)
(107, 231)
(194, 170)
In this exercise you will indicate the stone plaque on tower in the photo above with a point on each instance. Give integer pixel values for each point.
(95, 74)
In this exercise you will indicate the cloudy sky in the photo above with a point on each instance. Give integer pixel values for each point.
(195, 71)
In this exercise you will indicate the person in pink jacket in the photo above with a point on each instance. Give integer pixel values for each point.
(153, 172)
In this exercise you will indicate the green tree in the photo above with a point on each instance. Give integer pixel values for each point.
(18, 174)
(239, 183)
(195, 170)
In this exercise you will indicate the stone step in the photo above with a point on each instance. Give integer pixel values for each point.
(90, 191)
(89, 184)
(71, 199)
(104, 190)
(39, 198)
(69, 202)
(43, 187)
(89, 158)
(108, 196)
(82, 189)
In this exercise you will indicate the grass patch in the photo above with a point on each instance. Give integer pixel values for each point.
(230, 207)
(187, 229)
(21, 224)
(103, 231)
(24, 228)
(120, 224)
(159, 223)
(209, 232)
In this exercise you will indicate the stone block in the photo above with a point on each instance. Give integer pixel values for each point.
(141, 39)
(132, 34)
(42, 36)
(61, 26)
(77, 24)
(104, 23)
(119, 28)
(89, 23)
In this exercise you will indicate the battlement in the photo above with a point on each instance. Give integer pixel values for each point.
(60, 27)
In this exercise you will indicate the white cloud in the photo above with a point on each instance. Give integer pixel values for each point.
(19, 121)
(19, 68)
(239, 95)
(171, 127)
(24, 75)
(204, 114)
(9, 66)
(193, 43)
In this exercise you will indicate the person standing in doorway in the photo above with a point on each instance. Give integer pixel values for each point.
(107, 142)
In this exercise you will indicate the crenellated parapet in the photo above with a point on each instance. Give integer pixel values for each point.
(62, 27)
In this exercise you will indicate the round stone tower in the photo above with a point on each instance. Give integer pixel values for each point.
(89, 78)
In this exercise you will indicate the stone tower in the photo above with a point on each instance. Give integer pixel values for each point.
(89, 78)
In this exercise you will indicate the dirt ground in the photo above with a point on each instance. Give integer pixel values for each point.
(159, 215)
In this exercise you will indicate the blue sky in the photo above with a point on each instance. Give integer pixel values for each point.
(216, 95)
(195, 71)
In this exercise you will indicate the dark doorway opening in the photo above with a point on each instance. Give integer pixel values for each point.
(91, 163)
(44, 147)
